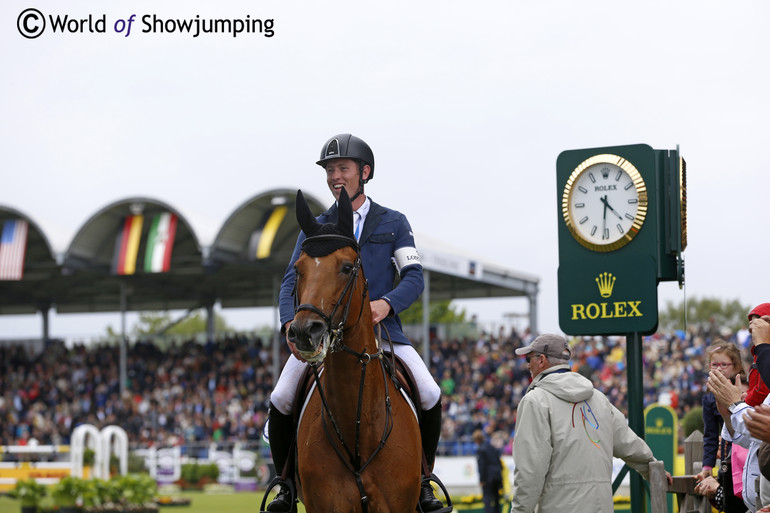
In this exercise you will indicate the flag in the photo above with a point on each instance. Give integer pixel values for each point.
(261, 241)
(160, 243)
(127, 245)
(13, 245)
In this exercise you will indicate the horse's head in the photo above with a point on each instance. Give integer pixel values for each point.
(329, 281)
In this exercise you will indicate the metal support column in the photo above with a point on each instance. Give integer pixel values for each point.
(635, 410)
(45, 311)
(426, 318)
(123, 339)
(533, 313)
(277, 338)
(210, 322)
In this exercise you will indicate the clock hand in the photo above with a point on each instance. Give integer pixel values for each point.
(604, 218)
(607, 205)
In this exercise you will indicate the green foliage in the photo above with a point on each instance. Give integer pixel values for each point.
(28, 491)
(137, 488)
(194, 473)
(89, 456)
(441, 312)
(136, 463)
(152, 323)
(67, 490)
(704, 313)
(100, 491)
(693, 421)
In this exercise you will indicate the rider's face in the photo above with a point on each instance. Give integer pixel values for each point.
(343, 173)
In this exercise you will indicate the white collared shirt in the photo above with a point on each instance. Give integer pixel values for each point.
(359, 217)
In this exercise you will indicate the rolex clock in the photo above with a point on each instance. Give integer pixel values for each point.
(604, 202)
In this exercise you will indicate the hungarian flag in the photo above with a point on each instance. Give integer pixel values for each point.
(127, 245)
(13, 246)
(160, 243)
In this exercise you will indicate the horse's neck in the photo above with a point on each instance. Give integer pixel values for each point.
(344, 370)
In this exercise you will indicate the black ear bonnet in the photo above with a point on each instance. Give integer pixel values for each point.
(324, 239)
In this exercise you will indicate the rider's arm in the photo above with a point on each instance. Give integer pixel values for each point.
(407, 264)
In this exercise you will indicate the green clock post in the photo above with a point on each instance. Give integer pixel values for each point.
(622, 230)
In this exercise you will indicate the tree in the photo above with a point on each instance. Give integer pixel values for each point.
(705, 313)
(441, 312)
(152, 323)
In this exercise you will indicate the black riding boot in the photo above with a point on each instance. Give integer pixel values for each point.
(280, 430)
(430, 431)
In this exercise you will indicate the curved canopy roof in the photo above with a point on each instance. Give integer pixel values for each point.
(29, 295)
(242, 268)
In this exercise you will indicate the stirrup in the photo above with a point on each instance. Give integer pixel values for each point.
(434, 478)
(277, 481)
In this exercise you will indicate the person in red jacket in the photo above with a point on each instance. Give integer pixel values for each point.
(758, 390)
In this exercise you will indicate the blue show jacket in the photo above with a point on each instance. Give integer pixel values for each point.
(384, 232)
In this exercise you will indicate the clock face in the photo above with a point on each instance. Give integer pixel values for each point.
(604, 203)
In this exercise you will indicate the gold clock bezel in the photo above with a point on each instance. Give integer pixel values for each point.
(683, 200)
(641, 211)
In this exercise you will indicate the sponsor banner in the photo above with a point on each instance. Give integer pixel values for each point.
(608, 296)
(451, 264)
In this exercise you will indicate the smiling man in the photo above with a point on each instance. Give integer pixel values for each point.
(387, 249)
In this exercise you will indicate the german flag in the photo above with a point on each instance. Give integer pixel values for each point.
(127, 245)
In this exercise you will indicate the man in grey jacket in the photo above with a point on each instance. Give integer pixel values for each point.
(567, 433)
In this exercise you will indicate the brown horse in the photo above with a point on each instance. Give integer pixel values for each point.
(358, 444)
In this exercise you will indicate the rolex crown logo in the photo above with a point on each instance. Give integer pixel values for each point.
(605, 172)
(605, 281)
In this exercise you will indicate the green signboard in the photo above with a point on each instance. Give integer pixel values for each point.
(612, 296)
(661, 432)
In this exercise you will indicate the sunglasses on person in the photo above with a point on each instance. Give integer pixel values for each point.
(532, 355)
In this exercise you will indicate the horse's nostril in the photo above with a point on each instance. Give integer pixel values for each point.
(293, 333)
(306, 334)
(316, 329)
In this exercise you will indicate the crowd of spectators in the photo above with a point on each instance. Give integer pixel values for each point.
(187, 392)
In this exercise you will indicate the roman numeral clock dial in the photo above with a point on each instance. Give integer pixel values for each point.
(604, 203)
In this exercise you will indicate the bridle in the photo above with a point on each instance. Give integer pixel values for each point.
(336, 332)
(353, 462)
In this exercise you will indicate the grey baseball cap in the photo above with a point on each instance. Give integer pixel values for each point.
(548, 344)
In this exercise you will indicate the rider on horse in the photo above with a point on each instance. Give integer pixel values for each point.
(387, 247)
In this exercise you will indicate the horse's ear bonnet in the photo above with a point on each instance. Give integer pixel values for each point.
(316, 245)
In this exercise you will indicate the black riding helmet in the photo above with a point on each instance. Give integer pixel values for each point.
(348, 146)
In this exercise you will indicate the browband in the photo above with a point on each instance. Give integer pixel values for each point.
(328, 243)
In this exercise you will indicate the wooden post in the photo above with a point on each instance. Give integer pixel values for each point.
(693, 464)
(658, 488)
(683, 486)
(693, 452)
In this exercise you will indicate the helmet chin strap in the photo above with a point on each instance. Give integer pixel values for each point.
(360, 190)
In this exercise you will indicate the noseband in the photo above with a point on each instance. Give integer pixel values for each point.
(336, 331)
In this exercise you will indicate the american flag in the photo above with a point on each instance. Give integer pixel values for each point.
(13, 244)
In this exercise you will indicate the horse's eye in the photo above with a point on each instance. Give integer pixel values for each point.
(347, 268)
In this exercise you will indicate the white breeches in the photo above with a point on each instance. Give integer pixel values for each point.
(286, 389)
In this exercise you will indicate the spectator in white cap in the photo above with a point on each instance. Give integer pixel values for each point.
(567, 433)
